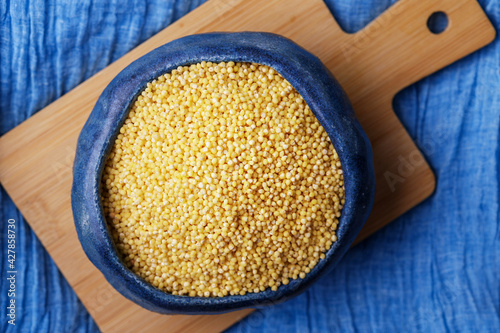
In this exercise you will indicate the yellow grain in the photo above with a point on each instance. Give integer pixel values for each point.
(222, 182)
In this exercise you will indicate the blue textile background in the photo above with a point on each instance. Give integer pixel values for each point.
(435, 269)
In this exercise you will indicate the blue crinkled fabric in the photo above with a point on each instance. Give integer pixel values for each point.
(435, 269)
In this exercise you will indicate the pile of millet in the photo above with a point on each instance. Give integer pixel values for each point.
(222, 182)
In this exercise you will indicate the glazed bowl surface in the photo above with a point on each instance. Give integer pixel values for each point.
(307, 75)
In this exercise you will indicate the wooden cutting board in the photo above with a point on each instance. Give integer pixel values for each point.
(372, 65)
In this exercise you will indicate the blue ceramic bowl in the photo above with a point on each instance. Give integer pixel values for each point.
(311, 79)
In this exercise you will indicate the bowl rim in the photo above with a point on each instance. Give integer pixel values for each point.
(308, 76)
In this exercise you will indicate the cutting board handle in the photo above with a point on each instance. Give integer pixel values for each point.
(412, 45)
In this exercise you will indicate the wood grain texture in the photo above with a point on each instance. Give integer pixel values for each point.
(372, 65)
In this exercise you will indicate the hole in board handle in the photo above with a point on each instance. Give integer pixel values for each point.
(437, 22)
